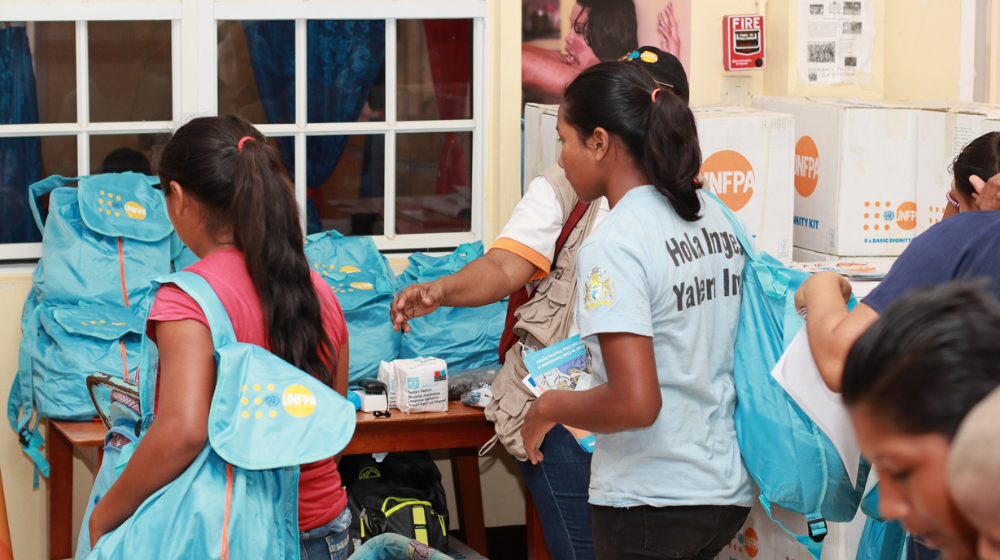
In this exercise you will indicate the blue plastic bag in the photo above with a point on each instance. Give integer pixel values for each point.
(464, 337)
(793, 463)
(104, 241)
(365, 286)
(239, 498)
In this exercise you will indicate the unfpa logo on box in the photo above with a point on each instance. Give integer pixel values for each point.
(882, 213)
(806, 166)
(731, 177)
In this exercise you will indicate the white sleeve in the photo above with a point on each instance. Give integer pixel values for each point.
(535, 224)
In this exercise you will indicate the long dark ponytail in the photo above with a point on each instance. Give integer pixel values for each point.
(248, 192)
(659, 133)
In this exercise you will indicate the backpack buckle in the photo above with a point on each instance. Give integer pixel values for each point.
(817, 529)
(24, 436)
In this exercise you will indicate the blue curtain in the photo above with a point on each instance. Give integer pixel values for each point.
(343, 61)
(20, 158)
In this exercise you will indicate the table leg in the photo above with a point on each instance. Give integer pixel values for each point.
(537, 549)
(60, 455)
(469, 497)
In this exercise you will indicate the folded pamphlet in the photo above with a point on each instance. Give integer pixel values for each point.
(561, 367)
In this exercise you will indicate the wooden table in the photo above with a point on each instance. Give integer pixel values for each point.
(461, 430)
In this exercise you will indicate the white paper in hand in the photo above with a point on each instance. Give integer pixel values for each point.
(796, 372)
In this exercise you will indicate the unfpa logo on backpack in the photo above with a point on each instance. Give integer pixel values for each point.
(135, 211)
(298, 401)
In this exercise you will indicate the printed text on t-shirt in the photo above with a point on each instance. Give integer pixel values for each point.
(691, 248)
(699, 290)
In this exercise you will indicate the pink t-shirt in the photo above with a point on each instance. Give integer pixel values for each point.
(321, 494)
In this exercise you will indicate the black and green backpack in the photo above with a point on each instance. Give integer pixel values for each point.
(402, 494)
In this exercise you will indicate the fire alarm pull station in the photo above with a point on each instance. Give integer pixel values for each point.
(743, 42)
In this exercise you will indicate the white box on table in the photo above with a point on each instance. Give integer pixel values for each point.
(747, 160)
(855, 174)
(946, 127)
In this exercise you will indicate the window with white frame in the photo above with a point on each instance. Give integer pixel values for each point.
(377, 106)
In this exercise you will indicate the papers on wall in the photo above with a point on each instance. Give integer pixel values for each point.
(836, 41)
(796, 372)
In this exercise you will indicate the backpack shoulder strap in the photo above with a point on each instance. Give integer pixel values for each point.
(733, 221)
(202, 293)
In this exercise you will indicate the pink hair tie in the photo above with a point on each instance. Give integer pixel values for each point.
(653, 95)
(239, 146)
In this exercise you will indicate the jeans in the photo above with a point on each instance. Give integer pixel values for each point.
(559, 485)
(646, 532)
(327, 542)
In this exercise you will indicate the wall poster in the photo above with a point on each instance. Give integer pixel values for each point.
(836, 40)
(599, 30)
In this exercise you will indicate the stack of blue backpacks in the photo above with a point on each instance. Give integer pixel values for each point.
(364, 284)
(466, 338)
(105, 238)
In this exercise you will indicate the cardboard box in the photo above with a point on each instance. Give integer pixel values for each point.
(748, 157)
(541, 146)
(855, 174)
(945, 129)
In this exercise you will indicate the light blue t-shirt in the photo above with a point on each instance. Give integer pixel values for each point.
(645, 270)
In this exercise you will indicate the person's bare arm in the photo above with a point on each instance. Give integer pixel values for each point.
(180, 431)
(545, 71)
(831, 328)
(630, 399)
(486, 280)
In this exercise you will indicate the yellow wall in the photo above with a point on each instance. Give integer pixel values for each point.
(931, 27)
(922, 49)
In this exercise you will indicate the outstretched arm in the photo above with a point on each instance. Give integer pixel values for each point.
(486, 280)
(545, 71)
(179, 433)
(831, 328)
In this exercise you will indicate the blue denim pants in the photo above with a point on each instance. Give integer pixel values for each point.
(559, 485)
(327, 542)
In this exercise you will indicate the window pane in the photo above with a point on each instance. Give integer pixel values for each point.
(130, 72)
(53, 56)
(434, 69)
(257, 70)
(346, 180)
(123, 152)
(24, 161)
(433, 191)
(346, 71)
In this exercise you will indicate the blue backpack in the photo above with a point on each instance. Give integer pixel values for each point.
(239, 498)
(361, 279)
(104, 241)
(465, 337)
(794, 464)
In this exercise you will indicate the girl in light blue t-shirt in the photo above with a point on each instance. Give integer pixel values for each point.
(660, 288)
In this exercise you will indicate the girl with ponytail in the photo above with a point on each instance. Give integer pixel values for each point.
(658, 304)
(233, 205)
